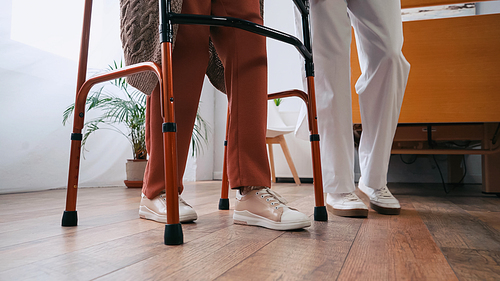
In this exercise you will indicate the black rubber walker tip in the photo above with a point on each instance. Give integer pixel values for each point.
(224, 204)
(173, 234)
(320, 213)
(70, 218)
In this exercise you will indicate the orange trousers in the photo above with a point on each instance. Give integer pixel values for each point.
(245, 63)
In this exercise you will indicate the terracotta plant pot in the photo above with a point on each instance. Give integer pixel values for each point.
(135, 172)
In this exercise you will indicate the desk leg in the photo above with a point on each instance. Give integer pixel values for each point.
(455, 168)
(490, 163)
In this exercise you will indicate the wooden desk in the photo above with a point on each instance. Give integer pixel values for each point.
(454, 81)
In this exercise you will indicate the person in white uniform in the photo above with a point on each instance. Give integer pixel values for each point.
(379, 39)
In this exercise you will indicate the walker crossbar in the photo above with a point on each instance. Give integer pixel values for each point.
(241, 24)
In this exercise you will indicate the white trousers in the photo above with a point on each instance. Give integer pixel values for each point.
(379, 39)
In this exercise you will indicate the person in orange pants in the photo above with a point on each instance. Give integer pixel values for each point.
(243, 55)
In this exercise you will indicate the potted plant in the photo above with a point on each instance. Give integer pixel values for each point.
(128, 107)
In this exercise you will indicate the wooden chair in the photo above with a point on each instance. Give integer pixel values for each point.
(173, 230)
(276, 131)
(280, 139)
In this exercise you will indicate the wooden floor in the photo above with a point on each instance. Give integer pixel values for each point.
(436, 237)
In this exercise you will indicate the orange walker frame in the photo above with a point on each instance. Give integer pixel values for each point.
(173, 229)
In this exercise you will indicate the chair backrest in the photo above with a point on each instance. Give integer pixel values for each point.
(275, 124)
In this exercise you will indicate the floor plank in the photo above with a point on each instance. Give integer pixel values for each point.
(201, 259)
(490, 218)
(316, 253)
(483, 204)
(54, 201)
(116, 209)
(26, 253)
(474, 264)
(395, 248)
(468, 232)
(438, 236)
(452, 227)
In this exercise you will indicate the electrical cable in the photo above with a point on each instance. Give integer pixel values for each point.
(465, 170)
(440, 174)
(495, 135)
(432, 144)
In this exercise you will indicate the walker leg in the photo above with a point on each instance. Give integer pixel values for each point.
(320, 213)
(224, 195)
(70, 217)
(173, 234)
(173, 229)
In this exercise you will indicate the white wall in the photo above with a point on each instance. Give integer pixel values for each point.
(39, 45)
(37, 82)
(490, 7)
(39, 48)
(200, 167)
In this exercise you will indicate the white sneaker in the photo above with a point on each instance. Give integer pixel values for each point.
(346, 205)
(381, 200)
(268, 209)
(156, 209)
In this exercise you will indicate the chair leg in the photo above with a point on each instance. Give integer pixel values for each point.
(288, 157)
(224, 195)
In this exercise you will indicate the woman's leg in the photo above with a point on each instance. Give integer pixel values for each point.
(245, 62)
(331, 35)
(379, 39)
(190, 60)
(244, 57)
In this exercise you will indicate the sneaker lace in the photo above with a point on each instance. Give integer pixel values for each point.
(273, 197)
(163, 196)
(181, 201)
(351, 197)
(383, 192)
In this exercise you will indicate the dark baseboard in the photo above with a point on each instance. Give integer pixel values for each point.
(290, 180)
